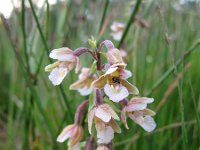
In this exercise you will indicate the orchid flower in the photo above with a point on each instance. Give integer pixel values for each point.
(66, 61)
(117, 29)
(103, 114)
(72, 132)
(115, 85)
(83, 85)
(138, 112)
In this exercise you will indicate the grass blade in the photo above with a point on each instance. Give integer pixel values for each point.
(130, 21)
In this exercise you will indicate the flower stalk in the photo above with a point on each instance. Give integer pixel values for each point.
(81, 50)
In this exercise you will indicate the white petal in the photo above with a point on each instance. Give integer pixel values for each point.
(65, 134)
(117, 35)
(144, 100)
(114, 94)
(62, 54)
(111, 70)
(101, 114)
(125, 74)
(148, 124)
(85, 91)
(137, 116)
(116, 26)
(57, 75)
(135, 106)
(84, 73)
(105, 135)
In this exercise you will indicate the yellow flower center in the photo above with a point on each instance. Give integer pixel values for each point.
(114, 79)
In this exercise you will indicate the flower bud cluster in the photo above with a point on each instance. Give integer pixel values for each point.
(111, 84)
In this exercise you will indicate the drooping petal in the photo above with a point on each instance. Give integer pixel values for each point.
(131, 88)
(111, 70)
(113, 56)
(145, 122)
(148, 124)
(66, 133)
(62, 54)
(85, 91)
(123, 118)
(57, 75)
(81, 84)
(117, 35)
(104, 134)
(136, 116)
(100, 82)
(116, 94)
(115, 126)
(144, 100)
(120, 65)
(85, 72)
(148, 112)
(107, 109)
(103, 115)
(135, 106)
(125, 74)
(50, 67)
(117, 26)
(90, 120)
(76, 137)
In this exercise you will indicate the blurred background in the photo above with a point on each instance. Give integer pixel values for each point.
(161, 48)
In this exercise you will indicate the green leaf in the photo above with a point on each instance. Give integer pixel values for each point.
(92, 70)
(91, 101)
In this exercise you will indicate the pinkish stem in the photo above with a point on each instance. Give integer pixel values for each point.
(82, 50)
(108, 44)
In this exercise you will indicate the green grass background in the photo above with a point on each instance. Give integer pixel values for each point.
(33, 111)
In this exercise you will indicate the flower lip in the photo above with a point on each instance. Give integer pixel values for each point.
(116, 93)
